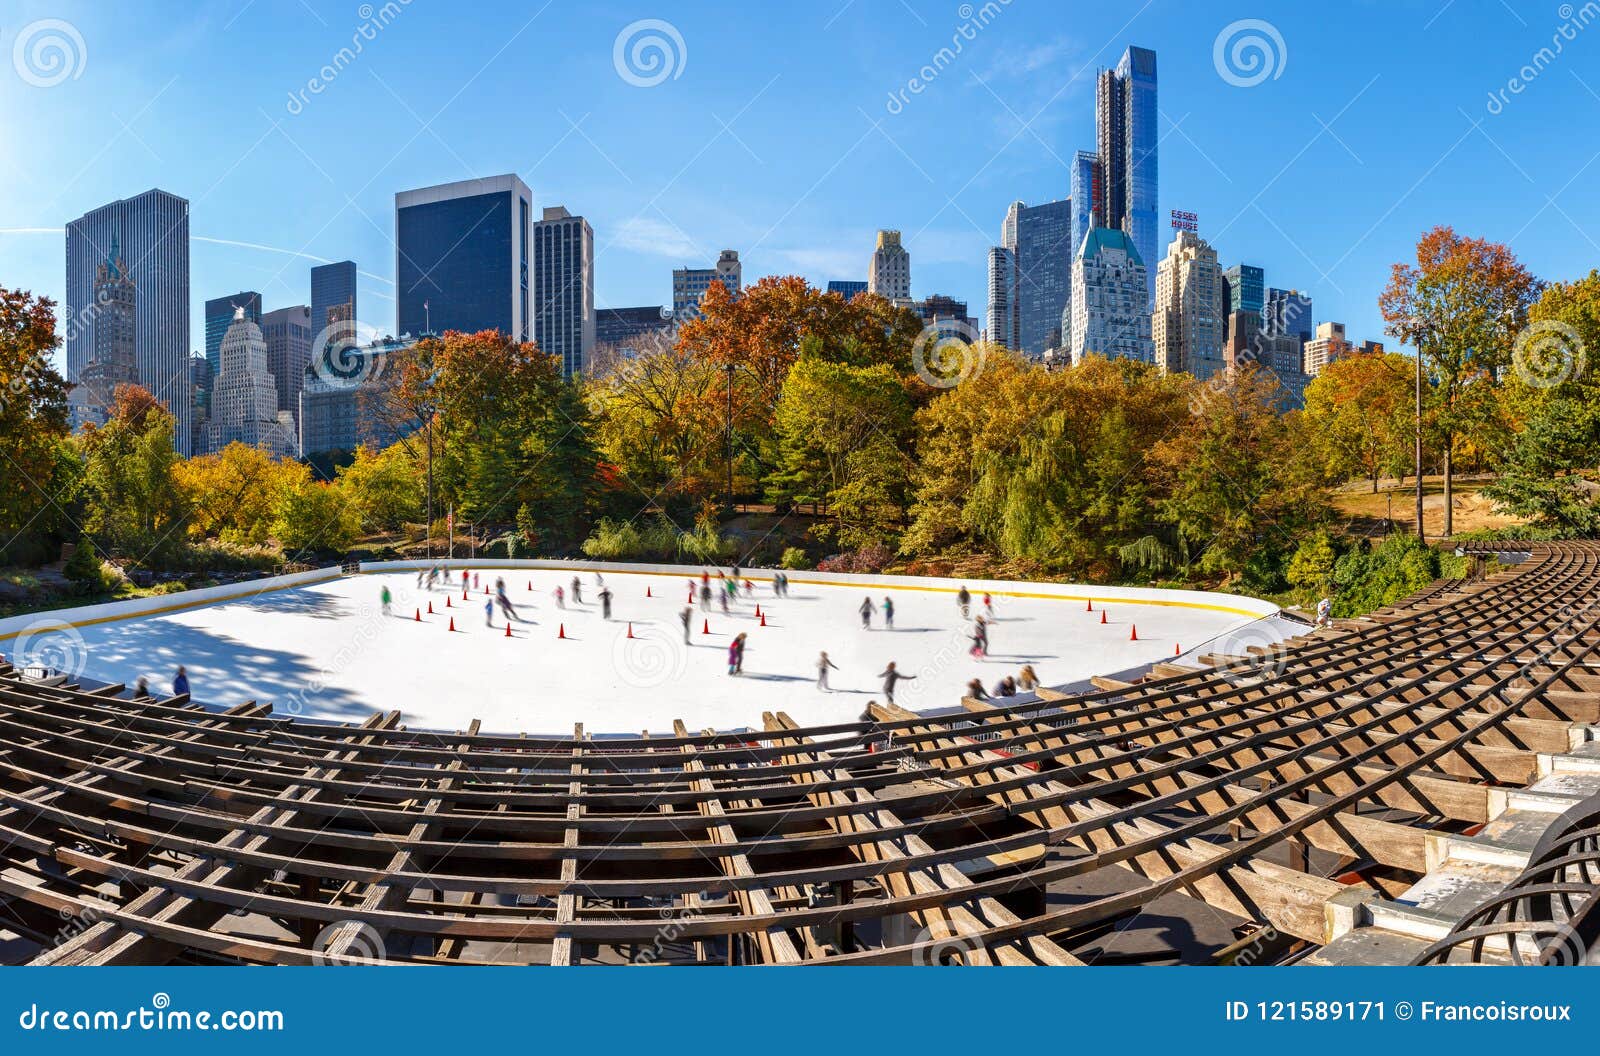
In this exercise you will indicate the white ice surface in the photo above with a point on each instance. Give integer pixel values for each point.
(325, 651)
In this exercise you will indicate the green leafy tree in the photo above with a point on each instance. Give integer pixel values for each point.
(132, 503)
(34, 462)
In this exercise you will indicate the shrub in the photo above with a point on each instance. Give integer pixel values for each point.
(1367, 579)
(794, 559)
(867, 560)
(88, 573)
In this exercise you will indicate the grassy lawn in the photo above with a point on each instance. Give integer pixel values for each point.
(1367, 511)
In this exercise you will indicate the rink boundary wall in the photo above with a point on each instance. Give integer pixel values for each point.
(111, 611)
(1234, 604)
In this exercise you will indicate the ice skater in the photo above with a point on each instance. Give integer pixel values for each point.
(141, 689)
(690, 599)
(1006, 687)
(823, 667)
(1027, 679)
(964, 601)
(980, 638)
(891, 676)
(888, 613)
(605, 602)
(577, 591)
(488, 612)
(684, 618)
(866, 614)
(705, 596)
(976, 691)
(988, 605)
(386, 598)
(561, 597)
(180, 682)
(736, 655)
(504, 602)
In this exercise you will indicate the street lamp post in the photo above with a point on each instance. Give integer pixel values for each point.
(1422, 536)
(728, 436)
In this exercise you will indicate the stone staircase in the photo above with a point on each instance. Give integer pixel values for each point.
(1463, 871)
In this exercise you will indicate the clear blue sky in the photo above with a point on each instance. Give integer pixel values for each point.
(776, 137)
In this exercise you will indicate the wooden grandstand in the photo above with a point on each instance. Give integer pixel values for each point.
(1284, 788)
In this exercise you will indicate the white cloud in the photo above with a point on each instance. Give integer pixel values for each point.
(657, 238)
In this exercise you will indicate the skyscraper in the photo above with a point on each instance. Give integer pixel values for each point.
(1287, 312)
(244, 397)
(1086, 195)
(1110, 294)
(1030, 279)
(1126, 137)
(1187, 324)
(462, 255)
(153, 233)
(1327, 347)
(288, 335)
(847, 288)
(1244, 290)
(333, 298)
(115, 360)
(889, 275)
(690, 284)
(219, 316)
(563, 288)
(1000, 319)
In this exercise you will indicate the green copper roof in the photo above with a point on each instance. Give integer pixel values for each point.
(1103, 238)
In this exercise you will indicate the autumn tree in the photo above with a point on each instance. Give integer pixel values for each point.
(229, 493)
(33, 427)
(1461, 305)
(841, 435)
(1358, 414)
(132, 505)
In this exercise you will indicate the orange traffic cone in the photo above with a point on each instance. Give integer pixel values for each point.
(418, 616)
(452, 623)
(561, 631)
(705, 627)
(630, 628)
(1177, 650)
(763, 619)
(758, 610)
(530, 584)
(463, 593)
(1102, 615)
(447, 603)
(647, 591)
(430, 608)
(508, 630)
(1133, 633)
(1088, 605)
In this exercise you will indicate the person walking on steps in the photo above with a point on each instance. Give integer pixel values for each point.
(964, 601)
(684, 617)
(888, 613)
(1027, 679)
(975, 690)
(824, 665)
(866, 614)
(605, 603)
(891, 676)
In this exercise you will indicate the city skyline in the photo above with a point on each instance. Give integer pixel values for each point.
(1277, 197)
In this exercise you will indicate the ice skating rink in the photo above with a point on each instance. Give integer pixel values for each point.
(326, 650)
